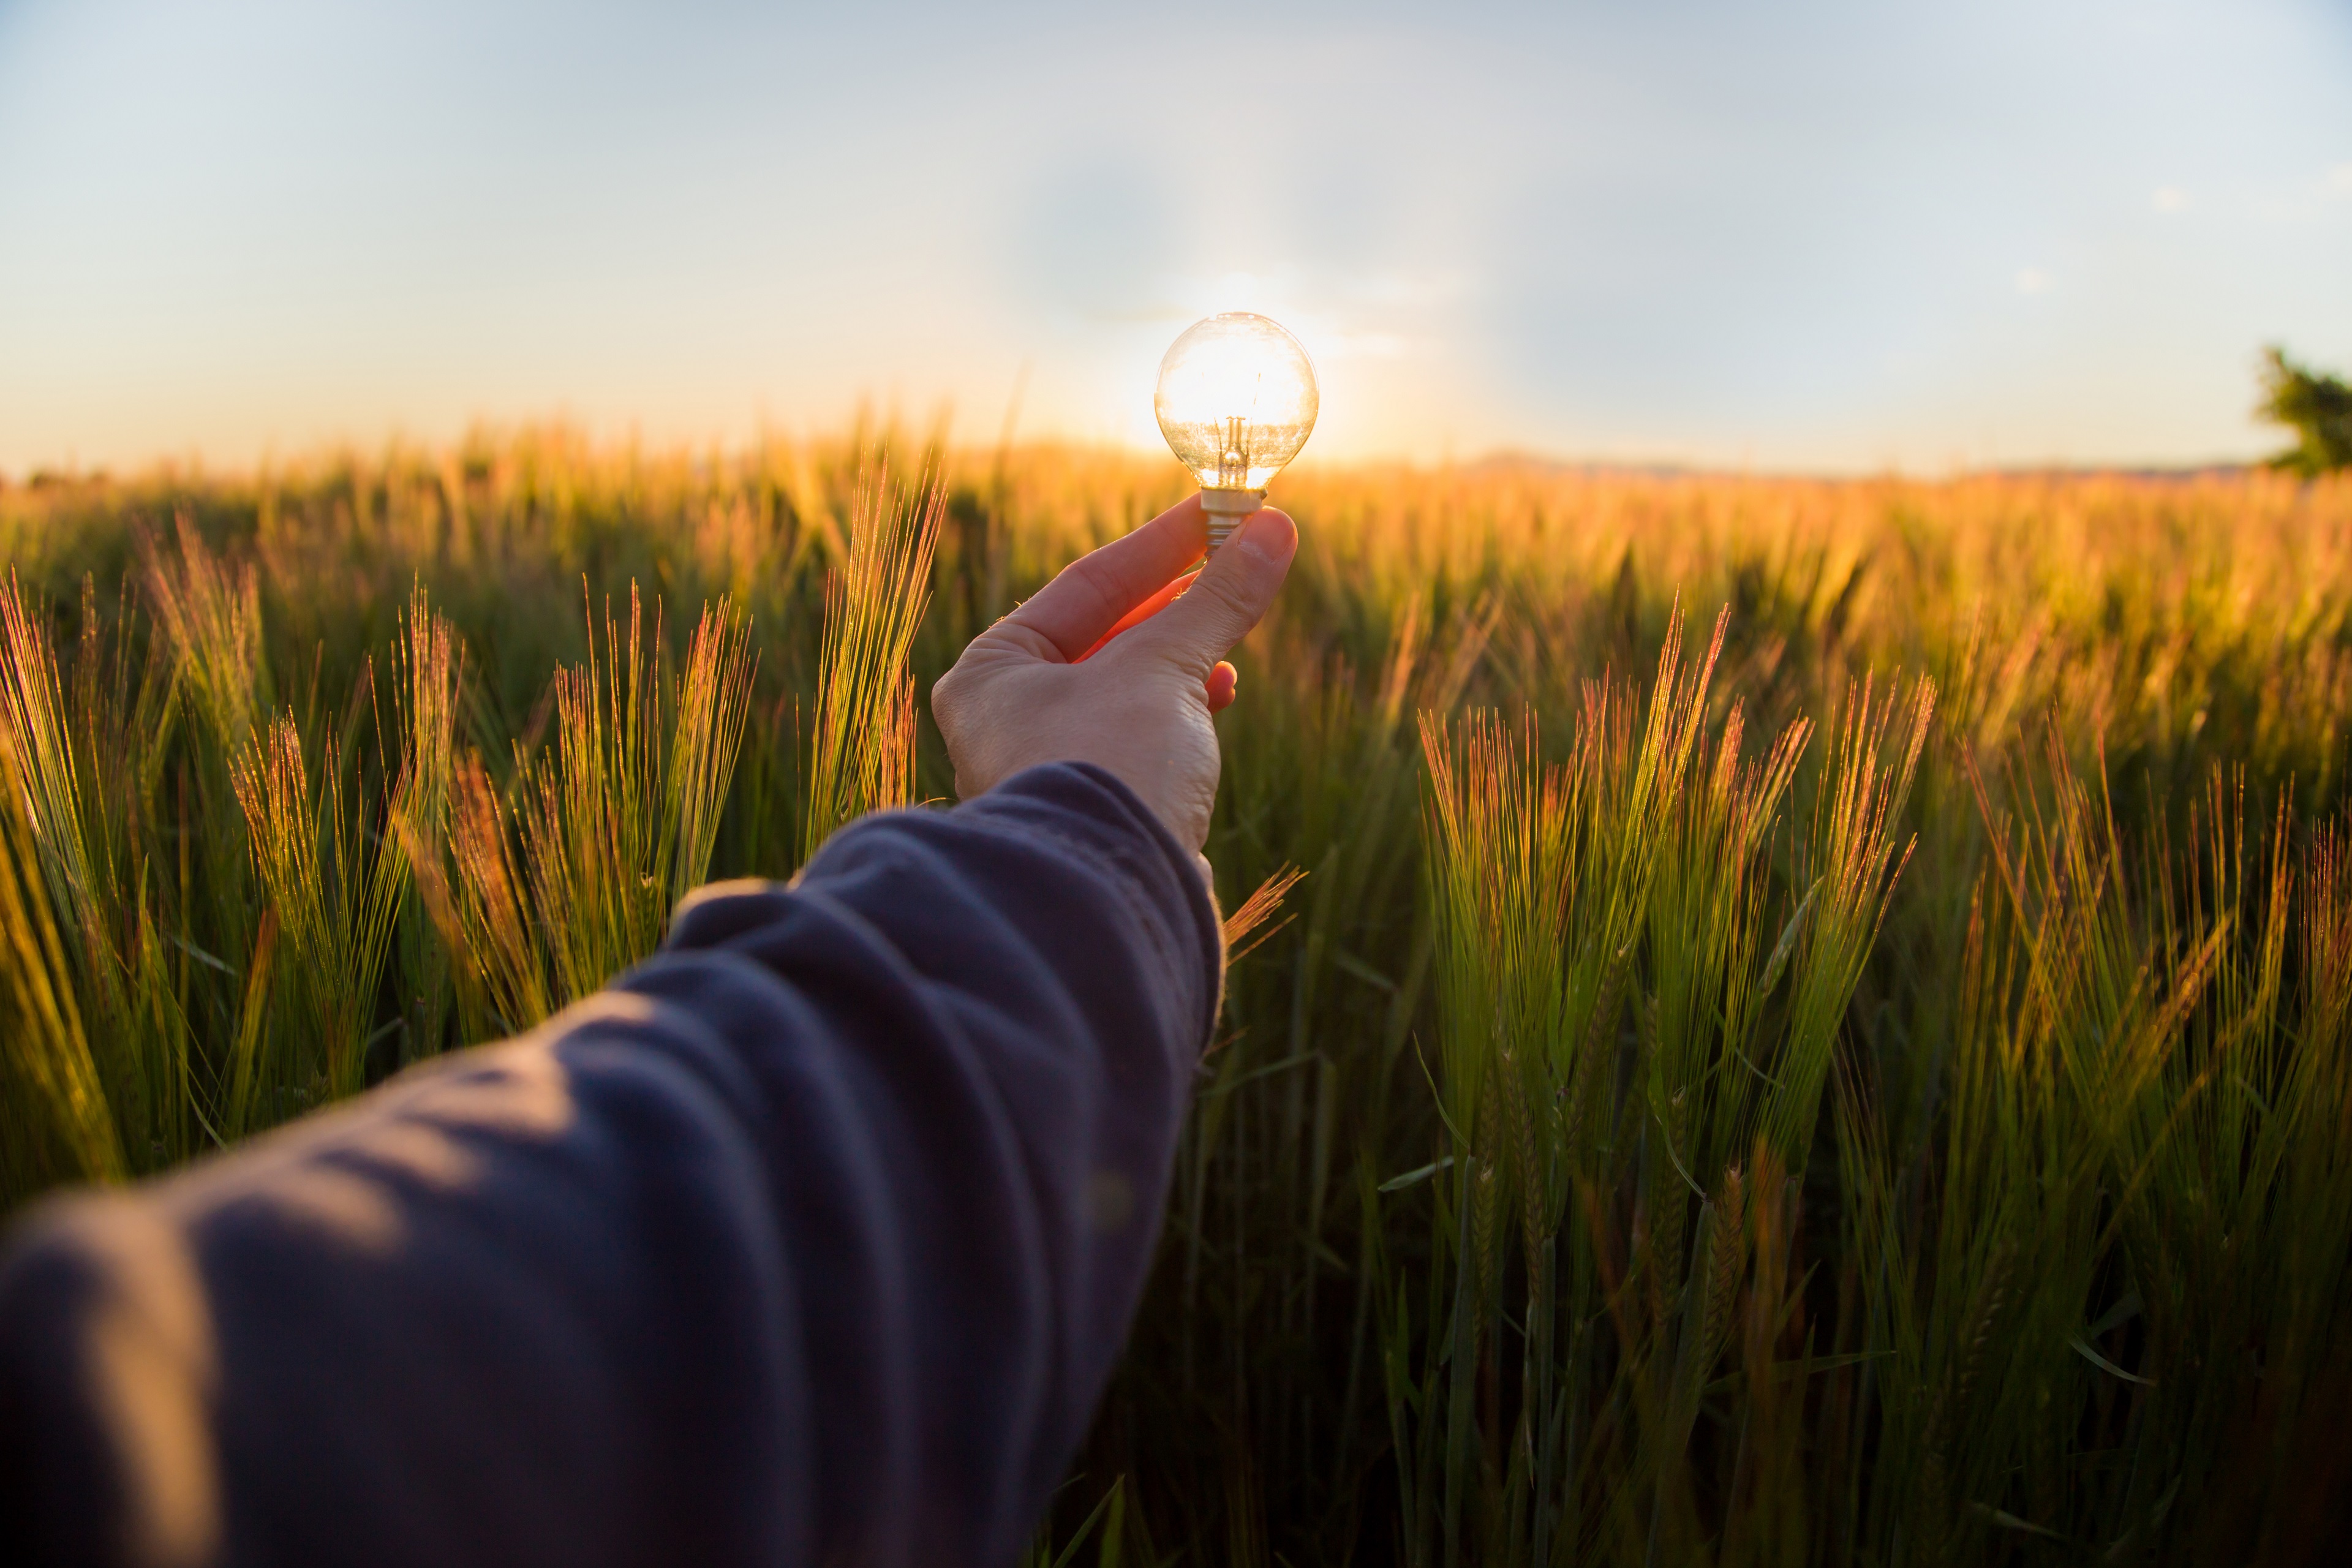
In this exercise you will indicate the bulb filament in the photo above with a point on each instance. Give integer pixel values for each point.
(1233, 465)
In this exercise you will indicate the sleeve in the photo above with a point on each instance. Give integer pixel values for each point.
(812, 1240)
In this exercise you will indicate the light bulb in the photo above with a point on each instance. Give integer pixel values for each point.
(1236, 401)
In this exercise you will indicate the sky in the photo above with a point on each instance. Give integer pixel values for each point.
(1842, 235)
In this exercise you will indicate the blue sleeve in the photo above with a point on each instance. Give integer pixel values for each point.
(812, 1240)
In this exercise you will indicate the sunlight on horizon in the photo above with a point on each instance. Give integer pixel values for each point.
(1839, 236)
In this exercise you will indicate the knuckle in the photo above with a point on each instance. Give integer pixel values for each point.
(948, 695)
(1096, 578)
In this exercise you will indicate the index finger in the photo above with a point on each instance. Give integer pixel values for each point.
(1149, 607)
(1074, 611)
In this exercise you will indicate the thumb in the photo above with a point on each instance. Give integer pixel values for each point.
(1231, 593)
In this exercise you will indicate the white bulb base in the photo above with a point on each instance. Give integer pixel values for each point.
(1226, 510)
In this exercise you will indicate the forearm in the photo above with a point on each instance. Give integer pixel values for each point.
(812, 1240)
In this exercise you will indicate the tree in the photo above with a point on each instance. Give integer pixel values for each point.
(2316, 407)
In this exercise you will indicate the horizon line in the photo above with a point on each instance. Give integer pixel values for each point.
(896, 431)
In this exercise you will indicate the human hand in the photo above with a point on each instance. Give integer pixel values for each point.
(1106, 666)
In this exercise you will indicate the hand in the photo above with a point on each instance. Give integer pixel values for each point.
(1107, 666)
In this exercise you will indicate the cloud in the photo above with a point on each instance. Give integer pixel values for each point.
(2033, 280)
(2169, 199)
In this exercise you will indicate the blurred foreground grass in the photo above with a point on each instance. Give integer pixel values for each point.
(1862, 1081)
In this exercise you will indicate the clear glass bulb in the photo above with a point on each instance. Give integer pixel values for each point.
(1236, 401)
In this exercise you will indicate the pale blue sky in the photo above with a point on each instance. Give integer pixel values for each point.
(1841, 234)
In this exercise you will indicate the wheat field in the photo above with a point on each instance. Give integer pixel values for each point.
(1781, 1021)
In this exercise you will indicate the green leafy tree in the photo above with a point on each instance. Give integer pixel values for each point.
(2316, 407)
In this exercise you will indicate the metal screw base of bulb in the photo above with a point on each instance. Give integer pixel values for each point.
(1226, 510)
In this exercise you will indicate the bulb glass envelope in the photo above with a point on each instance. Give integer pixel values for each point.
(1236, 400)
